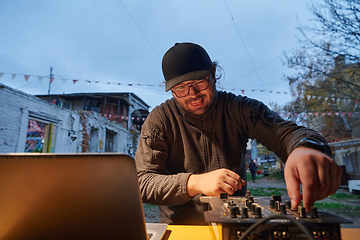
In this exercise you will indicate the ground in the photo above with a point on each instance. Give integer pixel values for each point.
(152, 213)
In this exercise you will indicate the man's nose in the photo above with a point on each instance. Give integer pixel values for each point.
(193, 91)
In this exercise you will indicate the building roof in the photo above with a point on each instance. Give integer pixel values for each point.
(80, 96)
(346, 143)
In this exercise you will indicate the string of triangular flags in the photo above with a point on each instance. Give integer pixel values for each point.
(332, 99)
(114, 116)
(40, 78)
(122, 117)
(51, 79)
(318, 114)
(254, 90)
(74, 81)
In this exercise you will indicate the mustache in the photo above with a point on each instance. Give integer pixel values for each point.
(195, 99)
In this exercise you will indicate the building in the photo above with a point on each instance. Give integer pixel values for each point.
(68, 123)
(347, 155)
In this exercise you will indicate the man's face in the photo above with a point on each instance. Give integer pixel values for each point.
(196, 102)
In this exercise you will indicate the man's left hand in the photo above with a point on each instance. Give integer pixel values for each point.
(319, 175)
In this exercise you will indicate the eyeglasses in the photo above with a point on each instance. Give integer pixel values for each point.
(199, 85)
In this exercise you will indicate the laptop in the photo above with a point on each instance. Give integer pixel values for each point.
(72, 196)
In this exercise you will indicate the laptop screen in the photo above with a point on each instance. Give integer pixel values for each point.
(70, 196)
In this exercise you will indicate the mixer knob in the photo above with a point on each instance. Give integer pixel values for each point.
(272, 203)
(314, 212)
(302, 212)
(223, 196)
(248, 205)
(233, 211)
(244, 212)
(277, 206)
(276, 198)
(257, 212)
(252, 198)
(282, 209)
(287, 204)
(253, 208)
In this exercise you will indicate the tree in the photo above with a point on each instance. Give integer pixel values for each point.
(327, 69)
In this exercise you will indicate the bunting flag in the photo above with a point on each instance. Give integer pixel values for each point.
(338, 101)
(317, 114)
(120, 116)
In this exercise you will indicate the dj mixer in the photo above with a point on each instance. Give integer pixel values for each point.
(252, 217)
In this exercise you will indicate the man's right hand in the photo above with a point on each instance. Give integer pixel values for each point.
(215, 182)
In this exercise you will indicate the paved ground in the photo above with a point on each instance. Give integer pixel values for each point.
(152, 213)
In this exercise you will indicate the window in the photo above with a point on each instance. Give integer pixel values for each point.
(40, 136)
(110, 142)
(66, 104)
(94, 140)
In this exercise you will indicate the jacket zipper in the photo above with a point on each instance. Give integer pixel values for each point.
(205, 144)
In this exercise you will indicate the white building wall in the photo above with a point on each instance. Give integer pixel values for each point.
(95, 121)
(17, 107)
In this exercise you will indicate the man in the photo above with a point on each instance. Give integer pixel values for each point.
(195, 143)
(252, 168)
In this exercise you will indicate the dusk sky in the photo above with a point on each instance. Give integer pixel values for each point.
(117, 45)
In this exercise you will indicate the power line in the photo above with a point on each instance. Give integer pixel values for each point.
(243, 42)
(140, 29)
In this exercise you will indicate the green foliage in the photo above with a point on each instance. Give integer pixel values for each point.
(267, 191)
(249, 178)
(344, 196)
(134, 138)
(277, 174)
(338, 208)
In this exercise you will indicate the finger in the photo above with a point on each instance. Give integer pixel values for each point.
(293, 188)
(241, 184)
(323, 185)
(232, 182)
(310, 187)
(334, 184)
(227, 188)
(233, 175)
(233, 179)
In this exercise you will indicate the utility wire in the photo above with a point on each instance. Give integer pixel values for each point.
(242, 40)
(140, 29)
(265, 64)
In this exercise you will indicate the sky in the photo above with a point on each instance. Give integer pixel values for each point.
(117, 45)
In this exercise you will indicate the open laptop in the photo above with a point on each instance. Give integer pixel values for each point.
(72, 196)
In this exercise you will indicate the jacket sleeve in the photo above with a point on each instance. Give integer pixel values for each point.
(156, 185)
(278, 135)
